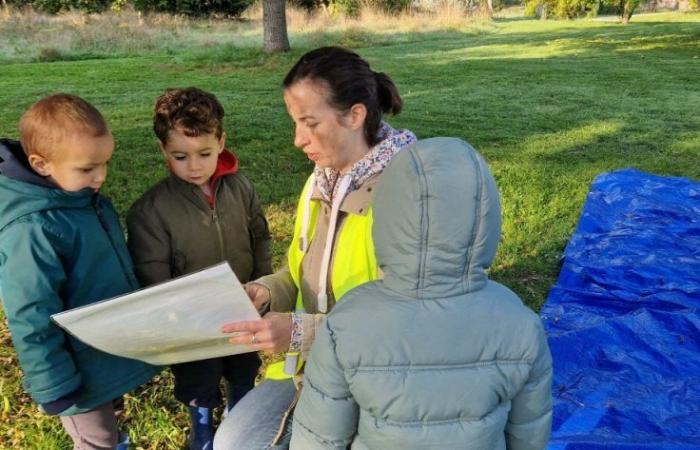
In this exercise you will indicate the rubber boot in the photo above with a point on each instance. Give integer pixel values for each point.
(123, 443)
(202, 432)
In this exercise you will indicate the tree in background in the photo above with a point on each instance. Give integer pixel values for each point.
(275, 37)
(274, 12)
(228, 8)
(275, 26)
(627, 8)
(571, 9)
(308, 5)
(561, 9)
(193, 8)
(56, 6)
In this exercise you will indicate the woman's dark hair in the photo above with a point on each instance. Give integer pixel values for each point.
(349, 80)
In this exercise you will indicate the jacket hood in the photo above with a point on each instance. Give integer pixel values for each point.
(437, 220)
(23, 191)
(227, 164)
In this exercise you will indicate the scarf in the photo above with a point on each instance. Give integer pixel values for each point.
(391, 141)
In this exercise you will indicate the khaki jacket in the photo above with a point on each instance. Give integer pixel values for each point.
(282, 289)
(173, 231)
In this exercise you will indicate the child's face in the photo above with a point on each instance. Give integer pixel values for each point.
(193, 159)
(78, 161)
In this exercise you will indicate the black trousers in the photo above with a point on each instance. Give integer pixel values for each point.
(197, 382)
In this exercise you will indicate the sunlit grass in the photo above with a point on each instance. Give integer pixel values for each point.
(550, 105)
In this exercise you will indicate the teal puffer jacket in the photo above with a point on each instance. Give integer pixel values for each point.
(434, 356)
(61, 250)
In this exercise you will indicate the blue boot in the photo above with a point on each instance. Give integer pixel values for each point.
(202, 432)
(123, 443)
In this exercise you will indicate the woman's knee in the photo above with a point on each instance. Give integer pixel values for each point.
(255, 421)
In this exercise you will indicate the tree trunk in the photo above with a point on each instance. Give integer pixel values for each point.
(275, 26)
(625, 11)
(489, 5)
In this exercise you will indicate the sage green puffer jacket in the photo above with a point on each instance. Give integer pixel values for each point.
(434, 356)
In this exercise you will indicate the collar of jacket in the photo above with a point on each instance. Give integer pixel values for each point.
(20, 195)
(14, 164)
(355, 202)
(227, 164)
(189, 191)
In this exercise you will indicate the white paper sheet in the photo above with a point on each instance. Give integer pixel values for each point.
(172, 322)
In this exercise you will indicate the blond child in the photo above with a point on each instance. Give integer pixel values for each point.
(61, 247)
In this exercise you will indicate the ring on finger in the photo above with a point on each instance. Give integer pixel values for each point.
(254, 339)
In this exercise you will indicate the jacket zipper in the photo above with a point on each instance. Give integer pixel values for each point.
(215, 219)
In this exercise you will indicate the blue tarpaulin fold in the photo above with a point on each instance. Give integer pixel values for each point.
(622, 318)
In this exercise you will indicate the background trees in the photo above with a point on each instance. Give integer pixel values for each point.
(274, 11)
(571, 9)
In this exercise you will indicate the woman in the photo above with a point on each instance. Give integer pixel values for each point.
(336, 102)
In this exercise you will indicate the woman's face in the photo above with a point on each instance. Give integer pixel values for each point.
(330, 138)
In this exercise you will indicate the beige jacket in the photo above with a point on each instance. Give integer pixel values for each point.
(283, 292)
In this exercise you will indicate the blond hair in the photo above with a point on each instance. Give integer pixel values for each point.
(44, 125)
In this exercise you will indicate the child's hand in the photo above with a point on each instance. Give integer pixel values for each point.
(272, 333)
(259, 294)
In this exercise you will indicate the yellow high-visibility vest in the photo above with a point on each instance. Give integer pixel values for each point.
(354, 261)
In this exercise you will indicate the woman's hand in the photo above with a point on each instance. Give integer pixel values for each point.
(258, 293)
(272, 333)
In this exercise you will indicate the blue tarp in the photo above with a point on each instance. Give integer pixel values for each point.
(623, 320)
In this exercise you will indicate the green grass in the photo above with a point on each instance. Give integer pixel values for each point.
(550, 105)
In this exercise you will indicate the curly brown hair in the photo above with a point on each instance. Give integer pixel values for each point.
(191, 110)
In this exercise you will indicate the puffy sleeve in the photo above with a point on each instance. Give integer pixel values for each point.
(530, 418)
(31, 279)
(327, 414)
(283, 292)
(260, 235)
(149, 245)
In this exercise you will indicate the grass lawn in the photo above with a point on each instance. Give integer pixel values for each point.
(549, 104)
